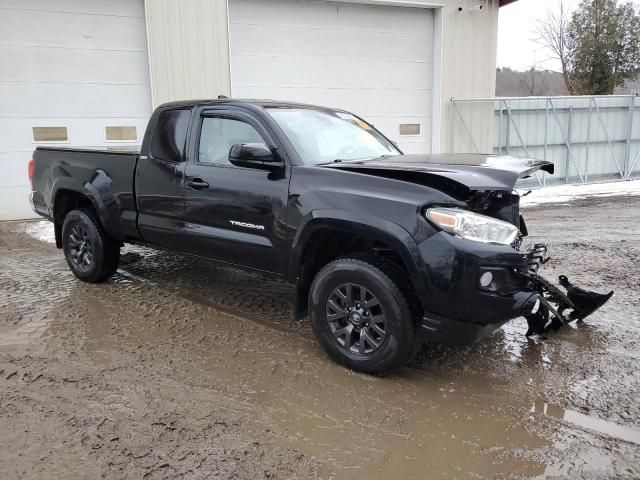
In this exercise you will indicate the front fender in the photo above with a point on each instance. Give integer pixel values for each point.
(399, 239)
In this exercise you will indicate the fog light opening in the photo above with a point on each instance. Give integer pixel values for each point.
(486, 278)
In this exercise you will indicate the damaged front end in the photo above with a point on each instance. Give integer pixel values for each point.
(547, 306)
(477, 273)
(553, 308)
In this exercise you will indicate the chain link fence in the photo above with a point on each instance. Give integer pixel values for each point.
(588, 138)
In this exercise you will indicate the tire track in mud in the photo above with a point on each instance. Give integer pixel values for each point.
(92, 403)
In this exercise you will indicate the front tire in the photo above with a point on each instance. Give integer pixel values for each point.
(361, 316)
(91, 254)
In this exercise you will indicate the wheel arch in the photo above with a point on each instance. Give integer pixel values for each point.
(325, 235)
(68, 193)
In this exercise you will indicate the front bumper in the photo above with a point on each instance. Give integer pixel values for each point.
(457, 308)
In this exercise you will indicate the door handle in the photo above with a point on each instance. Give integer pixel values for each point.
(197, 184)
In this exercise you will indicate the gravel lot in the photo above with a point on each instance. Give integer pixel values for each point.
(180, 369)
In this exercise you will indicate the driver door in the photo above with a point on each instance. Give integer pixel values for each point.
(233, 214)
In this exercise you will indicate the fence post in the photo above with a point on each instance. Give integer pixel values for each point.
(586, 159)
(566, 156)
(546, 141)
(451, 124)
(627, 150)
(499, 129)
(606, 135)
(508, 132)
(564, 138)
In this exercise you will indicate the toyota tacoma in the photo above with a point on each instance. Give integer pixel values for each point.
(386, 250)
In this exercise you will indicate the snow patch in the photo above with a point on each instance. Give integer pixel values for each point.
(566, 194)
(42, 231)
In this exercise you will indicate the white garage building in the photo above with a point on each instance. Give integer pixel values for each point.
(89, 72)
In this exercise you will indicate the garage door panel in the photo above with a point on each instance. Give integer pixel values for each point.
(81, 131)
(334, 14)
(71, 30)
(56, 65)
(406, 21)
(267, 39)
(67, 63)
(87, 99)
(14, 168)
(119, 8)
(14, 204)
(333, 72)
(366, 103)
(415, 148)
(373, 60)
(390, 127)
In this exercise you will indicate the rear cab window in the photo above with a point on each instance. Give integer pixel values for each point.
(170, 135)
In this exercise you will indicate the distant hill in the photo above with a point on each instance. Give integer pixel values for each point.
(543, 83)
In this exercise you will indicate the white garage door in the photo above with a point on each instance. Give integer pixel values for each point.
(376, 61)
(70, 69)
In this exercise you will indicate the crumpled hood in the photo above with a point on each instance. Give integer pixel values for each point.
(474, 171)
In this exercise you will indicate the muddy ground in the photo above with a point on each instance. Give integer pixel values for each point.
(179, 369)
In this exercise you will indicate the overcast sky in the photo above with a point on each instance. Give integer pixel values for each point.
(517, 47)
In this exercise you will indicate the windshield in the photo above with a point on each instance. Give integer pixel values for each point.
(322, 136)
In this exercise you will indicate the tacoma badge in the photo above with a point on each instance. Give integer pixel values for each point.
(246, 225)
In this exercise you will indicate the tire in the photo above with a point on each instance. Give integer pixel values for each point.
(91, 254)
(382, 283)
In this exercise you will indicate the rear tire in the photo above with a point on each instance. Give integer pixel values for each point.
(352, 298)
(91, 254)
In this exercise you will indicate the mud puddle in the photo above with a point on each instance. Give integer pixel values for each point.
(177, 368)
(587, 422)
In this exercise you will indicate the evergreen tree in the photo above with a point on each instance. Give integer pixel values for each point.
(603, 41)
(598, 45)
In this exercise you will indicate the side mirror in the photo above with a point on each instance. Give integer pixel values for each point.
(254, 155)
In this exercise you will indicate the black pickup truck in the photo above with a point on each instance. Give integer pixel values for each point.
(385, 249)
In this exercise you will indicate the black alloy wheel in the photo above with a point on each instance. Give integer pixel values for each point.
(360, 314)
(356, 318)
(80, 248)
(92, 255)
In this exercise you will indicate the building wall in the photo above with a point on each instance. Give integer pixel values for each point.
(469, 49)
(188, 44)
(189, 55)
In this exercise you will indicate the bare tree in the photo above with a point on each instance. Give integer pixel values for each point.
(534, 82)
(553, 34)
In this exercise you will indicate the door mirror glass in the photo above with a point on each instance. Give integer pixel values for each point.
(254, 155)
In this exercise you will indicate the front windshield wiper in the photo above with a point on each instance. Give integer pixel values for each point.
(336, 160)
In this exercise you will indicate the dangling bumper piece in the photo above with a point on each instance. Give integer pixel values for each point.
(553, 308)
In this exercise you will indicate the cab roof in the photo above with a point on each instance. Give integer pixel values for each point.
(241, 101)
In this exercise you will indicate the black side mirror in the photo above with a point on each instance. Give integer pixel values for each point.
(254, 155)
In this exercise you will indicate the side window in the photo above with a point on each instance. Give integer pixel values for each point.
(219, 134)
(170, 135)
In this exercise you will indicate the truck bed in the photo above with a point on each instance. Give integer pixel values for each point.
(103, 174)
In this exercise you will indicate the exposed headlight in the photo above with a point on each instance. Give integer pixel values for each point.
(473, 226)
